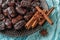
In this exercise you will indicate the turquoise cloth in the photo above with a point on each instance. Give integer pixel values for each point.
(53, 30)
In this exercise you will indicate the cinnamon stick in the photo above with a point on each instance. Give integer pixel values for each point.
(34, 24)
(45, 16)
(37, 20)
(48, 12)
(30, 22)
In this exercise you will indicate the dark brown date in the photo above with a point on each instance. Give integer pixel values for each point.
(18, 18)
(1, 17)
(2, 25)
(25, 3)
(8, 23)
(11, 11)
(11, 3)
(4, 5)
(0, 8)
(43, 32)
(20, 10)
(5, 12)
(19, 25)
(28, 16)
(35, 3)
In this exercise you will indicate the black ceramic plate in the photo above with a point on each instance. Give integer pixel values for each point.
(25, 32)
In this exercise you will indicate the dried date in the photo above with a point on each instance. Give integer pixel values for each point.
(1, 17)
(8, 23)
(11, 3)
(2, 25)
(19, 25)
(18, 18)
(11, 11)
(5, 12)
(28, 16)
(20, 10)
(25, 3)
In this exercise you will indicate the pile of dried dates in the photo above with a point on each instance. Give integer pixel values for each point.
(15, 13)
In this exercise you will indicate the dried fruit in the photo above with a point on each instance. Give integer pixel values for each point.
(17, 19)
(2, 25)
(20, 10)
(1, 16)
(8, 23)
(5, 12)
(25, 3)
(28, 16)
(11, 11)
(19, 25)
(11, 3)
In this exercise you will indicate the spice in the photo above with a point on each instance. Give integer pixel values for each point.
(38, 16)
(35, 23)
(43, 32)
(30, 22)
(48, 12)
(45, 16)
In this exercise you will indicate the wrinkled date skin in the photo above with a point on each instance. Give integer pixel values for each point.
(2, 25)
(19, 25)
(8, 23)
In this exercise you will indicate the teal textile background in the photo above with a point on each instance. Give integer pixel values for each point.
(53, 30)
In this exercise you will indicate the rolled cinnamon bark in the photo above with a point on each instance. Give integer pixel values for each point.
(36, 21)
(45, 16)
(41, 19)
(34, 24)
(30, 22)
(48, 12)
